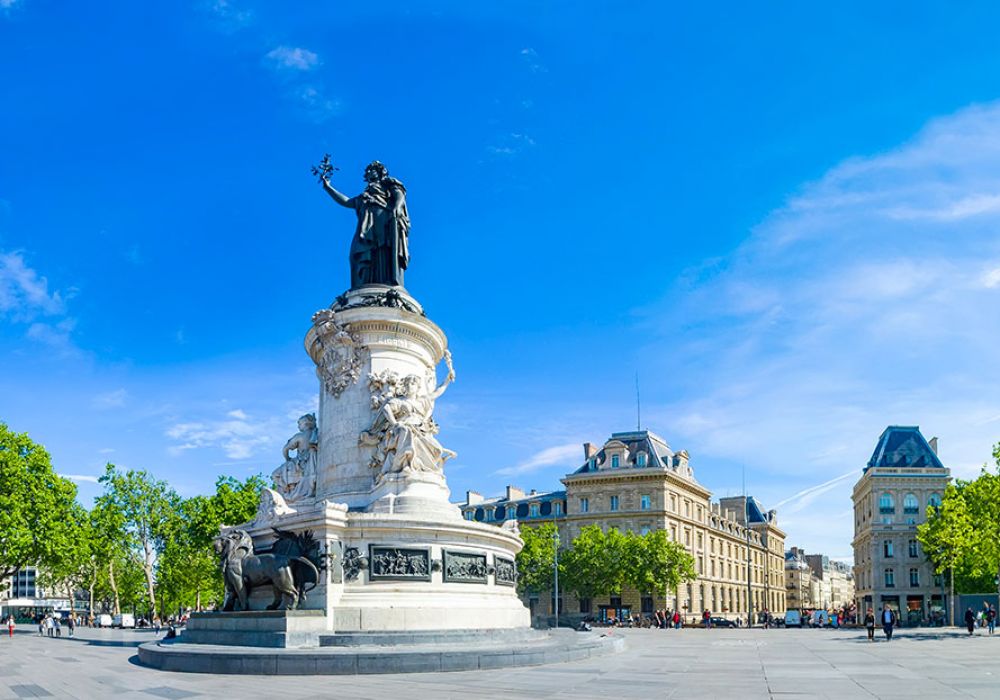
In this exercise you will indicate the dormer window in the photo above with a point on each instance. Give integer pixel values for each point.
(616, 461)
(640, 460)
(534, 510)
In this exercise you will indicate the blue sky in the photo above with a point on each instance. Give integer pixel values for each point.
(785, 220)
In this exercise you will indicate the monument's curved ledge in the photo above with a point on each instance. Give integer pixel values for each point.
(434, 653)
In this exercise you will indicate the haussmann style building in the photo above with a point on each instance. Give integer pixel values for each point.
(903, 477)
(636, 482)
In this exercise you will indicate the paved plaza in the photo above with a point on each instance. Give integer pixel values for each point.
(657, 664)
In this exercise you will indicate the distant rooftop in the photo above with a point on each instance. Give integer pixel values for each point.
(904, 446)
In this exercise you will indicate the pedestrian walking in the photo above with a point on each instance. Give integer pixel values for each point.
(57, 625)
(888, 621)
(970, 621)
(706, 617)
(870, 624)
(156, 625)
(71, 624)
(10, 625)
(677, 619)
(50, 628)
(991, 619)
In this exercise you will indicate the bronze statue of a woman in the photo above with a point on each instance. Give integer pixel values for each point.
(379, 250)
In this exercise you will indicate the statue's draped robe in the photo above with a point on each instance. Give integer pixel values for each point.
(380, 250)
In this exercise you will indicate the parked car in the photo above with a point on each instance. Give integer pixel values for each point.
(124, 621)
(103, 620)
(722, 622)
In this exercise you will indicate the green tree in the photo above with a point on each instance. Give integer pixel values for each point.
(947, 534)
(982, 497)
(146, 507)
(661, 564)
(187, 571)
(597, 562)
(536, 559)
(34, 505)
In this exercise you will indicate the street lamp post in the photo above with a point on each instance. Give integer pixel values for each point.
(555, 576)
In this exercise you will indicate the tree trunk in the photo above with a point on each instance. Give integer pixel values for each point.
(114, 586)
(951, 598)
(93, 584)
(147, 567)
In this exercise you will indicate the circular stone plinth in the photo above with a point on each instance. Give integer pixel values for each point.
(556, 647)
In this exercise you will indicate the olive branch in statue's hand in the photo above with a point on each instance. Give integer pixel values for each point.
(324, 169)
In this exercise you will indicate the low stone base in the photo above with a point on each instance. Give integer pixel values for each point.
(555, 647)
(257, 628)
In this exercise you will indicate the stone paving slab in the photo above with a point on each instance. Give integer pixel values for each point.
(685, 664)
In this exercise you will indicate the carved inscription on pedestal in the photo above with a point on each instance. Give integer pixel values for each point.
(506, 574)
(398, 564)
(464, 567)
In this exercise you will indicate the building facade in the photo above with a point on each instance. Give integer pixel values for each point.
(903, 477)
(636, 482)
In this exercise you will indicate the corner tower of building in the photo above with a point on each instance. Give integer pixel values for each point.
(903, 477)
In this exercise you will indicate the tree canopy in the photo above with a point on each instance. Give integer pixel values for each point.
(36, 506)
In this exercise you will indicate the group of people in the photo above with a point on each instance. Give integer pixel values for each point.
(51, 625)
(665, 619)
(887, 618)
(987, 617)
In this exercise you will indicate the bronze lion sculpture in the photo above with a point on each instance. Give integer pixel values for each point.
(242, 570)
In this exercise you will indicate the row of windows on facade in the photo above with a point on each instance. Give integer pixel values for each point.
(888, 549)
(890, 578)
(887, 504)
(523, 510)
(616, 461)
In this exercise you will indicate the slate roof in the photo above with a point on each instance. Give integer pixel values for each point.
(903, 446)
(658, 452)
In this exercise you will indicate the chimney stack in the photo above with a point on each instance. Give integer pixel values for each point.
(589, 450)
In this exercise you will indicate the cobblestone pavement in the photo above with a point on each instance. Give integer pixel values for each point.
(683, 664)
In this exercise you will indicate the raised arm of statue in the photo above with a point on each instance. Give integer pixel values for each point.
(338, 197)
(448, 379)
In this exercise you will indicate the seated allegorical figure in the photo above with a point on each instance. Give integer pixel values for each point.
(296, 478)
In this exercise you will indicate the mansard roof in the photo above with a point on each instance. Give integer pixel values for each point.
(658, 452)
(903, 446)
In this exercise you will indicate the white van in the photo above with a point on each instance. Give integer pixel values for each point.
(124, 621)
(104, 620)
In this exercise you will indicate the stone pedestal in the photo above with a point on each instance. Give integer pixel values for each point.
(401, 558)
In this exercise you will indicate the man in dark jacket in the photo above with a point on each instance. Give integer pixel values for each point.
(888, 621)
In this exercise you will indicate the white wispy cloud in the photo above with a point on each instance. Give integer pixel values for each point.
(110, 399)
(80, 477)
(564, 455)
(230, 15)
(868, 299)
(315, 104)
(237, 435)
(292, 58)
(25, 294)
(803, 498)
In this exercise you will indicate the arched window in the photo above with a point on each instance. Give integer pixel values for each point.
(500, 513)
(910, 505)
(886, 503)
(934, 500)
